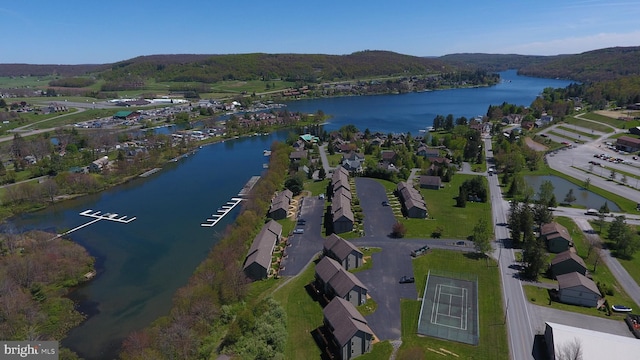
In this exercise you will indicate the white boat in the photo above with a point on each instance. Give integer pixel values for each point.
(621, 308)
(267, 152)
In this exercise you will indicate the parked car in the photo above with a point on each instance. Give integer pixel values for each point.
(302, 221)
(298, 231)
(407, 280)
(385, 203)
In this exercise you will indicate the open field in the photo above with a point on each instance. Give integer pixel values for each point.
(581, 133)
(588, 124)
(457, 222)
(493, 334)
(613, 121)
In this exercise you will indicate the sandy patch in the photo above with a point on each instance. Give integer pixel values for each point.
(615, 114)
(535, 145)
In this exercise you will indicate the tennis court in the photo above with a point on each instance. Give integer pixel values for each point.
(450, 307)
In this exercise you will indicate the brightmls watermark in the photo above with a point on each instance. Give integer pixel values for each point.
(43, 350)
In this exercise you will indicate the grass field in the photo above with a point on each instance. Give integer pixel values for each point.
(493, 334)
(457, 222)
(589, 124)
(575, 131)
(620, 124)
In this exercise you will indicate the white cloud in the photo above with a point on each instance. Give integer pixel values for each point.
(576, 45)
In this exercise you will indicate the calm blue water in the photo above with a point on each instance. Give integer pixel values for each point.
(416, 111)
(561, 188)
(142, 264)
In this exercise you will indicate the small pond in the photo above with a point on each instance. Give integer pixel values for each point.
(561, 187)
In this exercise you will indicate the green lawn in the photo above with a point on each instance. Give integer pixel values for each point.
(632, 266)
(316, 187)
(457, 222)
(334, 160)
(588, 124)
(303, 316)
(493, 334)
(575, 131)
(621, 124)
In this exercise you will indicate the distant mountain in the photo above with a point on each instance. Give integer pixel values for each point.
(493, 62)
(46, 70)
(293, 67)
(590, 66)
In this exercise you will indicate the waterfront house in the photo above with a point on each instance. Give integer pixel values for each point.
(577, 289)
(280, 205)
(349, 330)
(343, 251)
(258, 261)
(99, 165)
(556, 236)
(567, 262)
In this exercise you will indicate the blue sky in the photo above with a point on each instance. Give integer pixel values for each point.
(88, 31)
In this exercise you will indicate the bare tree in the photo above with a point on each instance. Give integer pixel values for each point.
(570, 351)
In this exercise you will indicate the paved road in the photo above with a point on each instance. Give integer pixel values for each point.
(519, 325)
(323, 158)
(302, 248)
(378, 219)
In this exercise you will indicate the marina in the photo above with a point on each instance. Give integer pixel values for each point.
(97, 216)
(231, 204)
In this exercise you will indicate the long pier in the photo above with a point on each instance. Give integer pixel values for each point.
(231, 204)
(97, 216)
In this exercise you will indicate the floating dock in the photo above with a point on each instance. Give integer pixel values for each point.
(97, 216)
(231, 204)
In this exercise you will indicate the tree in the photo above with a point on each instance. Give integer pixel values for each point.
(322, 173)
(533, 255)
(616, 228)
(587, 183)
(461, 200)
(398, 230)
(295, 184)
(569, 198)
(514, 220)
(604, 209)
(624, 179)
(482, 236)
(613, 174)
(545, 192)
(627, 243)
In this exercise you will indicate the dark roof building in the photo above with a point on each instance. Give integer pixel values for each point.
(577, 289)
(350, 330)
(342, 251)
(413, 204)
(568, 262)
(628, 143)
(430, 182)
(556, 236)
(280, 205)
(258, 260)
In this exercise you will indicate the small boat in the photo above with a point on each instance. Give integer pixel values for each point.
(267, 153)
(621, 308)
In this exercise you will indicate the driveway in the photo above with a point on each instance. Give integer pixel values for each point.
(302, 248)
(378, 219)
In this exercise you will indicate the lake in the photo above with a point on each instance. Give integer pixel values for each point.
(415, 111)
(561, 188)
(141, 264)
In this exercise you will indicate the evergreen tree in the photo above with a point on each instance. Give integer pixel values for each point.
(569, 198)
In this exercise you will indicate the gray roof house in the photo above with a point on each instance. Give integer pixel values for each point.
(430, 182)
(577, 289)
(343, 220)
(258, 260)
(280, 205)
(343, 251)
(568, 262)
(334, 280)
(556, 236)
(349, 329)
(412, 202)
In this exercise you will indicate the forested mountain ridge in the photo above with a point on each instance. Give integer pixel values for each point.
(261, 66)
(255, 66)
(591, 66)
